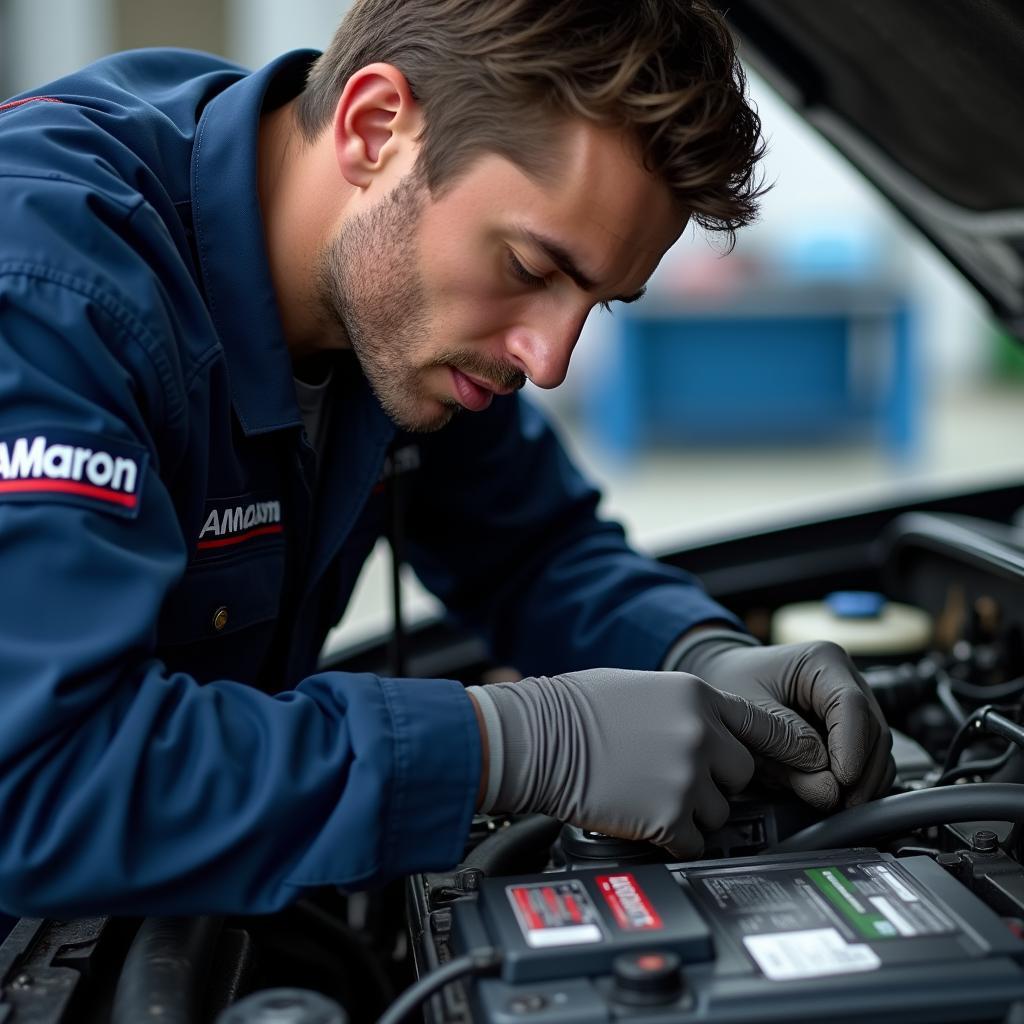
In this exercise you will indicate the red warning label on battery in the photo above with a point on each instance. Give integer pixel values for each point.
(555, 914)
(628, 903)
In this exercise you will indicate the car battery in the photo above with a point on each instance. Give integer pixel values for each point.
(835, 936)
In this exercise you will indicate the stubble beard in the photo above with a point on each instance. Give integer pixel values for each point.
(369, 287)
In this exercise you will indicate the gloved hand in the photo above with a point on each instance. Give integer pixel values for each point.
(814, 682)
(641, 755)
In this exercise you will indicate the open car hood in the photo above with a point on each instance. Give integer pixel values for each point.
(926, 99)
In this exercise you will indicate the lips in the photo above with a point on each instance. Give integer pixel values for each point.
(474, 395)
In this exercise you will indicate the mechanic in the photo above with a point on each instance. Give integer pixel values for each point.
(233, 306)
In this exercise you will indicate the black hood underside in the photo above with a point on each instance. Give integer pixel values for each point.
(926, 98)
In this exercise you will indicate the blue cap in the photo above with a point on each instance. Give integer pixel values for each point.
(855, 604)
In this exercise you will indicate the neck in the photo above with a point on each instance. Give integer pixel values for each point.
(300, 195)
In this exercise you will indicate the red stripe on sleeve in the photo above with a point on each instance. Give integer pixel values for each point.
(30, 99)
(67, 487)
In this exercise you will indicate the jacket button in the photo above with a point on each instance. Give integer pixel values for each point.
(220, 618)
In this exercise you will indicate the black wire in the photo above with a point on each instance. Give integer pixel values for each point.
(519, 848)
(480, 961)
(396, 539)
(969, 768)
(944, 691)
(984, 720)
(960, 739)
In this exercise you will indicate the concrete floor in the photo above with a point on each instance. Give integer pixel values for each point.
(971, 437)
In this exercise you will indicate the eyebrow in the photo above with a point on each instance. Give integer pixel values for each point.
(565, 262)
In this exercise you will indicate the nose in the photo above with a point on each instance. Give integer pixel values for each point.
(543, 353)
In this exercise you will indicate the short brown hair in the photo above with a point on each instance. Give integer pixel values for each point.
(500, 75)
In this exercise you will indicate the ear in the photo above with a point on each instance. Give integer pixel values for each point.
(375, 122)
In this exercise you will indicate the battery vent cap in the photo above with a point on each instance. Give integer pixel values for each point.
(648, 978)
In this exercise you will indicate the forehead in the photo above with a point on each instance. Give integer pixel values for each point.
(600, 202)
(604, 187)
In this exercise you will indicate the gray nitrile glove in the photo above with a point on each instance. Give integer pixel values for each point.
(641, 755)
(815, 680)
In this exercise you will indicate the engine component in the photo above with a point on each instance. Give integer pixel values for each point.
(46, 966)
(581, 848)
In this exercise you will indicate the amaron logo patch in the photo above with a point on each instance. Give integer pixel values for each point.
(104, 471)
(228, 524)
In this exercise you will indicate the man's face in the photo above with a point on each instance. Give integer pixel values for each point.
(449, 302)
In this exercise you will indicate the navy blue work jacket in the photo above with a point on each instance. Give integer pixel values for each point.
(169, 567)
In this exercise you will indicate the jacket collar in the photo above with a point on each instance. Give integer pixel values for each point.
(232, 246)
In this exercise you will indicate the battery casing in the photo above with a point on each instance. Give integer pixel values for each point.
(835, 936)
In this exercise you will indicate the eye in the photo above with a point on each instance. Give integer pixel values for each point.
(522, 273)
(533, 281)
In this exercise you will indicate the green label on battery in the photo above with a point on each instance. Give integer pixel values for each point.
(842, 894)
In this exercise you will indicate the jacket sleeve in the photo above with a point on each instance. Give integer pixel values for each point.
(505, 531)
(128, 789)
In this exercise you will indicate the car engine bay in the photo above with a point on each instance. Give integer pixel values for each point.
(908, 908)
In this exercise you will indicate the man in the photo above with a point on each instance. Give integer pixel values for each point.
(224, 299)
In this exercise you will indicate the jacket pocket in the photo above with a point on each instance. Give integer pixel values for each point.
(219, 621)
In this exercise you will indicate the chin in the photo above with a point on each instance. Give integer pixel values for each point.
(424, 420)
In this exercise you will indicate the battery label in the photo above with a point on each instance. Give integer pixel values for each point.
(811, 954)
(628, 903)
(556, 914)
(877, 902)
(786, 910)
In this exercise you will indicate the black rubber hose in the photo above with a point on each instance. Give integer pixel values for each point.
(985, 801)
(518, 848)
(165, 970)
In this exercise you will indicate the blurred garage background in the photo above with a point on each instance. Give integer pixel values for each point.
(832, 359)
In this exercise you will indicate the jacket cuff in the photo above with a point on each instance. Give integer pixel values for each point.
(405, 783)
(436, 763)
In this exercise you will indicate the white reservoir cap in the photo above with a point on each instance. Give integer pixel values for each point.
(863, 622)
